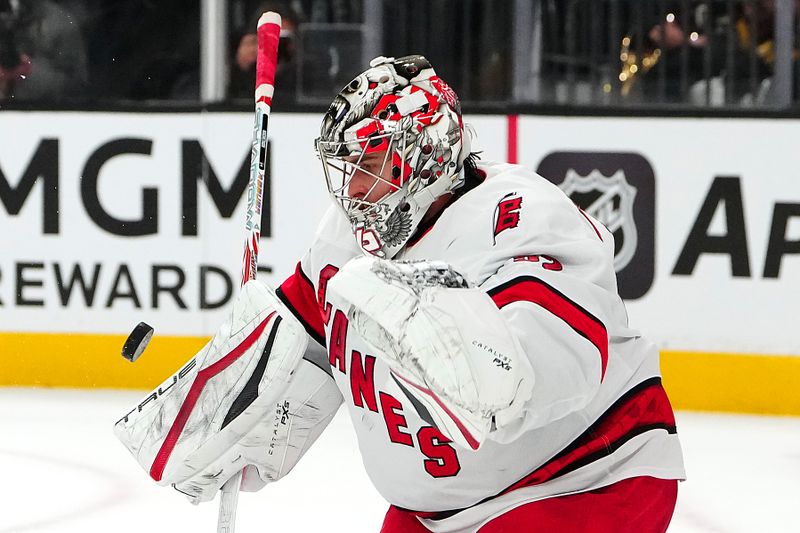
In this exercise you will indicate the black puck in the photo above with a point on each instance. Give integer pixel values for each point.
(137, 341)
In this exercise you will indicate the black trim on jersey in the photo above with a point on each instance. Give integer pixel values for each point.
(520, 279)
(585, 331)
(610, 448)
(250, 390)
(310, 330)
(578, 441)
(422, 411)
(636, 389)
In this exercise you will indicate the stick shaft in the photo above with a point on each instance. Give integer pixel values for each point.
(269, 28)
(226, 521)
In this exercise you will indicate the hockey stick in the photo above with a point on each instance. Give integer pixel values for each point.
(269, 29)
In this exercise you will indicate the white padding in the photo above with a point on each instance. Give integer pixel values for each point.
(256, 350)
(450, 347)
(411, 102)
(265, 90)
(270, 17)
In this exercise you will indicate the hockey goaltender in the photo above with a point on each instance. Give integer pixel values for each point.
(467, 314)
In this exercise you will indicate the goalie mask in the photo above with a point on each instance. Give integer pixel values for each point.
(391, 143)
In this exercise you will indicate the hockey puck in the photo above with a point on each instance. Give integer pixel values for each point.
(137, 341)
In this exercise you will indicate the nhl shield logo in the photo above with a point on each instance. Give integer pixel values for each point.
(610, 200)
(618, 189)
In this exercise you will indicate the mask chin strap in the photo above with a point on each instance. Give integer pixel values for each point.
(422, 200)
(432, 192)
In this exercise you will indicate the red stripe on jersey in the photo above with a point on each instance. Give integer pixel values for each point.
(298, 293)
(534, 290)
(203, 376)
(643, 408)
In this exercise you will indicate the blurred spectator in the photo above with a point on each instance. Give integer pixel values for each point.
(245, 50)
(42, 52)
(755, 29)
(676, 48)
(690, 48)
(14, 65)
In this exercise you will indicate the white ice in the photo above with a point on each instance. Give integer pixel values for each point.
(63, 471)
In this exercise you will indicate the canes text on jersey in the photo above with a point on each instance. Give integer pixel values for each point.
(441, 459)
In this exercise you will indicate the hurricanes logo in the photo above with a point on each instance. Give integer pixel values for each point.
(506, 214)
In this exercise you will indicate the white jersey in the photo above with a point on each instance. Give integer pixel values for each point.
(598, 413)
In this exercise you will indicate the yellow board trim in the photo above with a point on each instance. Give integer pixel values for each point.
(90, 360)
(741, 383)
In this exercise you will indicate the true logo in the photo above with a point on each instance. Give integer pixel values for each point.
(160, 391)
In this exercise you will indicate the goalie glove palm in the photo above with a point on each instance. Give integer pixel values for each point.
(204, 424)
(447, 345)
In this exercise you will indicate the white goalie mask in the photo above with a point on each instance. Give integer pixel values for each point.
(391, 143)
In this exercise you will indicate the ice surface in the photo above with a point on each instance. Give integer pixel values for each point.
(63, 471)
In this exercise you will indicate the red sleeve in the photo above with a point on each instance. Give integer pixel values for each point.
(297, 293)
